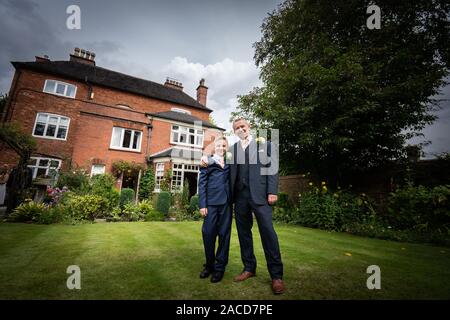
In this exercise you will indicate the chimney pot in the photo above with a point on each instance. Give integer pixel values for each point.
(83, 56)
(172, 83)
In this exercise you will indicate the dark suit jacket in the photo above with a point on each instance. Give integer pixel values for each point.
(214, 185)
(262, 180)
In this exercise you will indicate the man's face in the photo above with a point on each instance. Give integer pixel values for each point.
(221, 147)
(241, 129)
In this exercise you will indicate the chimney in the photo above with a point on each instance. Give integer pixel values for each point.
(83, 56)
(44, 58)
(173, 83)
(202, 92)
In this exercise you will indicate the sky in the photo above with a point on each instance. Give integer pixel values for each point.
(185, 39)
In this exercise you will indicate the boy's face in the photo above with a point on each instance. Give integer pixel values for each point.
(221, 147)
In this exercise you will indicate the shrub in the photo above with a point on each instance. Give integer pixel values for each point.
(163, 202)
(147, 184)
(320, 208)
(126, 196)
(185, 201)
(131, 212)
(147, 210)
(420, 208)
(194, 204)
(55, 214)
(86, 207)
(103, 185)
(27, 212)
(76, 180)
(282, 211)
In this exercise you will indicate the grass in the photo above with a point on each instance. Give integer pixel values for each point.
(161, 260)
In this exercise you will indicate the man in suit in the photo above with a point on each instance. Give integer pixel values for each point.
(253, 189)
(215, 206)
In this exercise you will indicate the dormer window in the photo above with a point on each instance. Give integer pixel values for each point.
(180, 110)
(60, 88)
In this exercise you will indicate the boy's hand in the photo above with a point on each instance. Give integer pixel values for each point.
(204, 161)
(272, 198)
(204, 212)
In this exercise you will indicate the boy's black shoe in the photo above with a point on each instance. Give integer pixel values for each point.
(217, 276)
(205, 273)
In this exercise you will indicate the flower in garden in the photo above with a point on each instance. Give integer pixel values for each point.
(323, 183)
(348, 254)
(310, 183)
(324, 188)
(228, 156)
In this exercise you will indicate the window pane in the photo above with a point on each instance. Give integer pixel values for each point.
(175, 137)
(70, 91)
(64, 121)
(126, 139)
(191, 139)
(49, 86)
(41, 172)
(199, 131)
(42, 117)
(53, 120)
(39, 130)
(51, 129)
(136, 140)
(175, 128)
(54, 164)
(62, 131)
(183, 138)
(43, 162)
(32, 162)
(60, 88)
(191, 130)
(116, 137)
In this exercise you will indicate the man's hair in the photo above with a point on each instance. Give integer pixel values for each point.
(239, 119)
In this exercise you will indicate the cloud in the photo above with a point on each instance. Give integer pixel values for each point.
(225, 79)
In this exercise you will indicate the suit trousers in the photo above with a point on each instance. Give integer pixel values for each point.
(244, 206)
(217, 224)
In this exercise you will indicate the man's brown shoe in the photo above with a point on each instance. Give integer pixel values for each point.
(244, 276)
(277, 286)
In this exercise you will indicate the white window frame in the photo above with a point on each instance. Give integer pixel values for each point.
(159, 175)
(176, 185)
(37, 166)
(65, 84)
(188, 134)
(46, 126)
(111, 146)
(96, 173)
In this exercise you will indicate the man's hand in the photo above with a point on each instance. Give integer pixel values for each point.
(204, 161)
(204, 212)
(272, 198)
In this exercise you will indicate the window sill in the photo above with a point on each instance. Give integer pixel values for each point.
(49, 138)
(124, 150)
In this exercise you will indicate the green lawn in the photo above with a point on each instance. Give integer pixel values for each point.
(161, 260)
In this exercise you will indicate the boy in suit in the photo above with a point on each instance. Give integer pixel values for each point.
(214, 203)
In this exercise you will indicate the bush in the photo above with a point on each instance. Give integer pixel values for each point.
(283, 209)
(27, 212)
(77, 180)
(194, 204)
(131, 212)
(147, 184)
(320, 208)
(55, 214)
(420, 208)
(147, 210)
(126, 196)
(163, 202)
(103, 185)
(86, 207)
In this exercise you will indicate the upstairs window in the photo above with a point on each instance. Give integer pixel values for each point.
(126, 139)
(51, 126)
(60, 88)
(187, 136)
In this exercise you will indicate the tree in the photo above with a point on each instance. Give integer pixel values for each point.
(343, 96)
(24, 145)
(147, 184)
(3, 101)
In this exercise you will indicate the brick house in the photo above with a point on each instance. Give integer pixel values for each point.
(86, 116)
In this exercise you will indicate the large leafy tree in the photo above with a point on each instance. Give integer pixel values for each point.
(343, 96)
